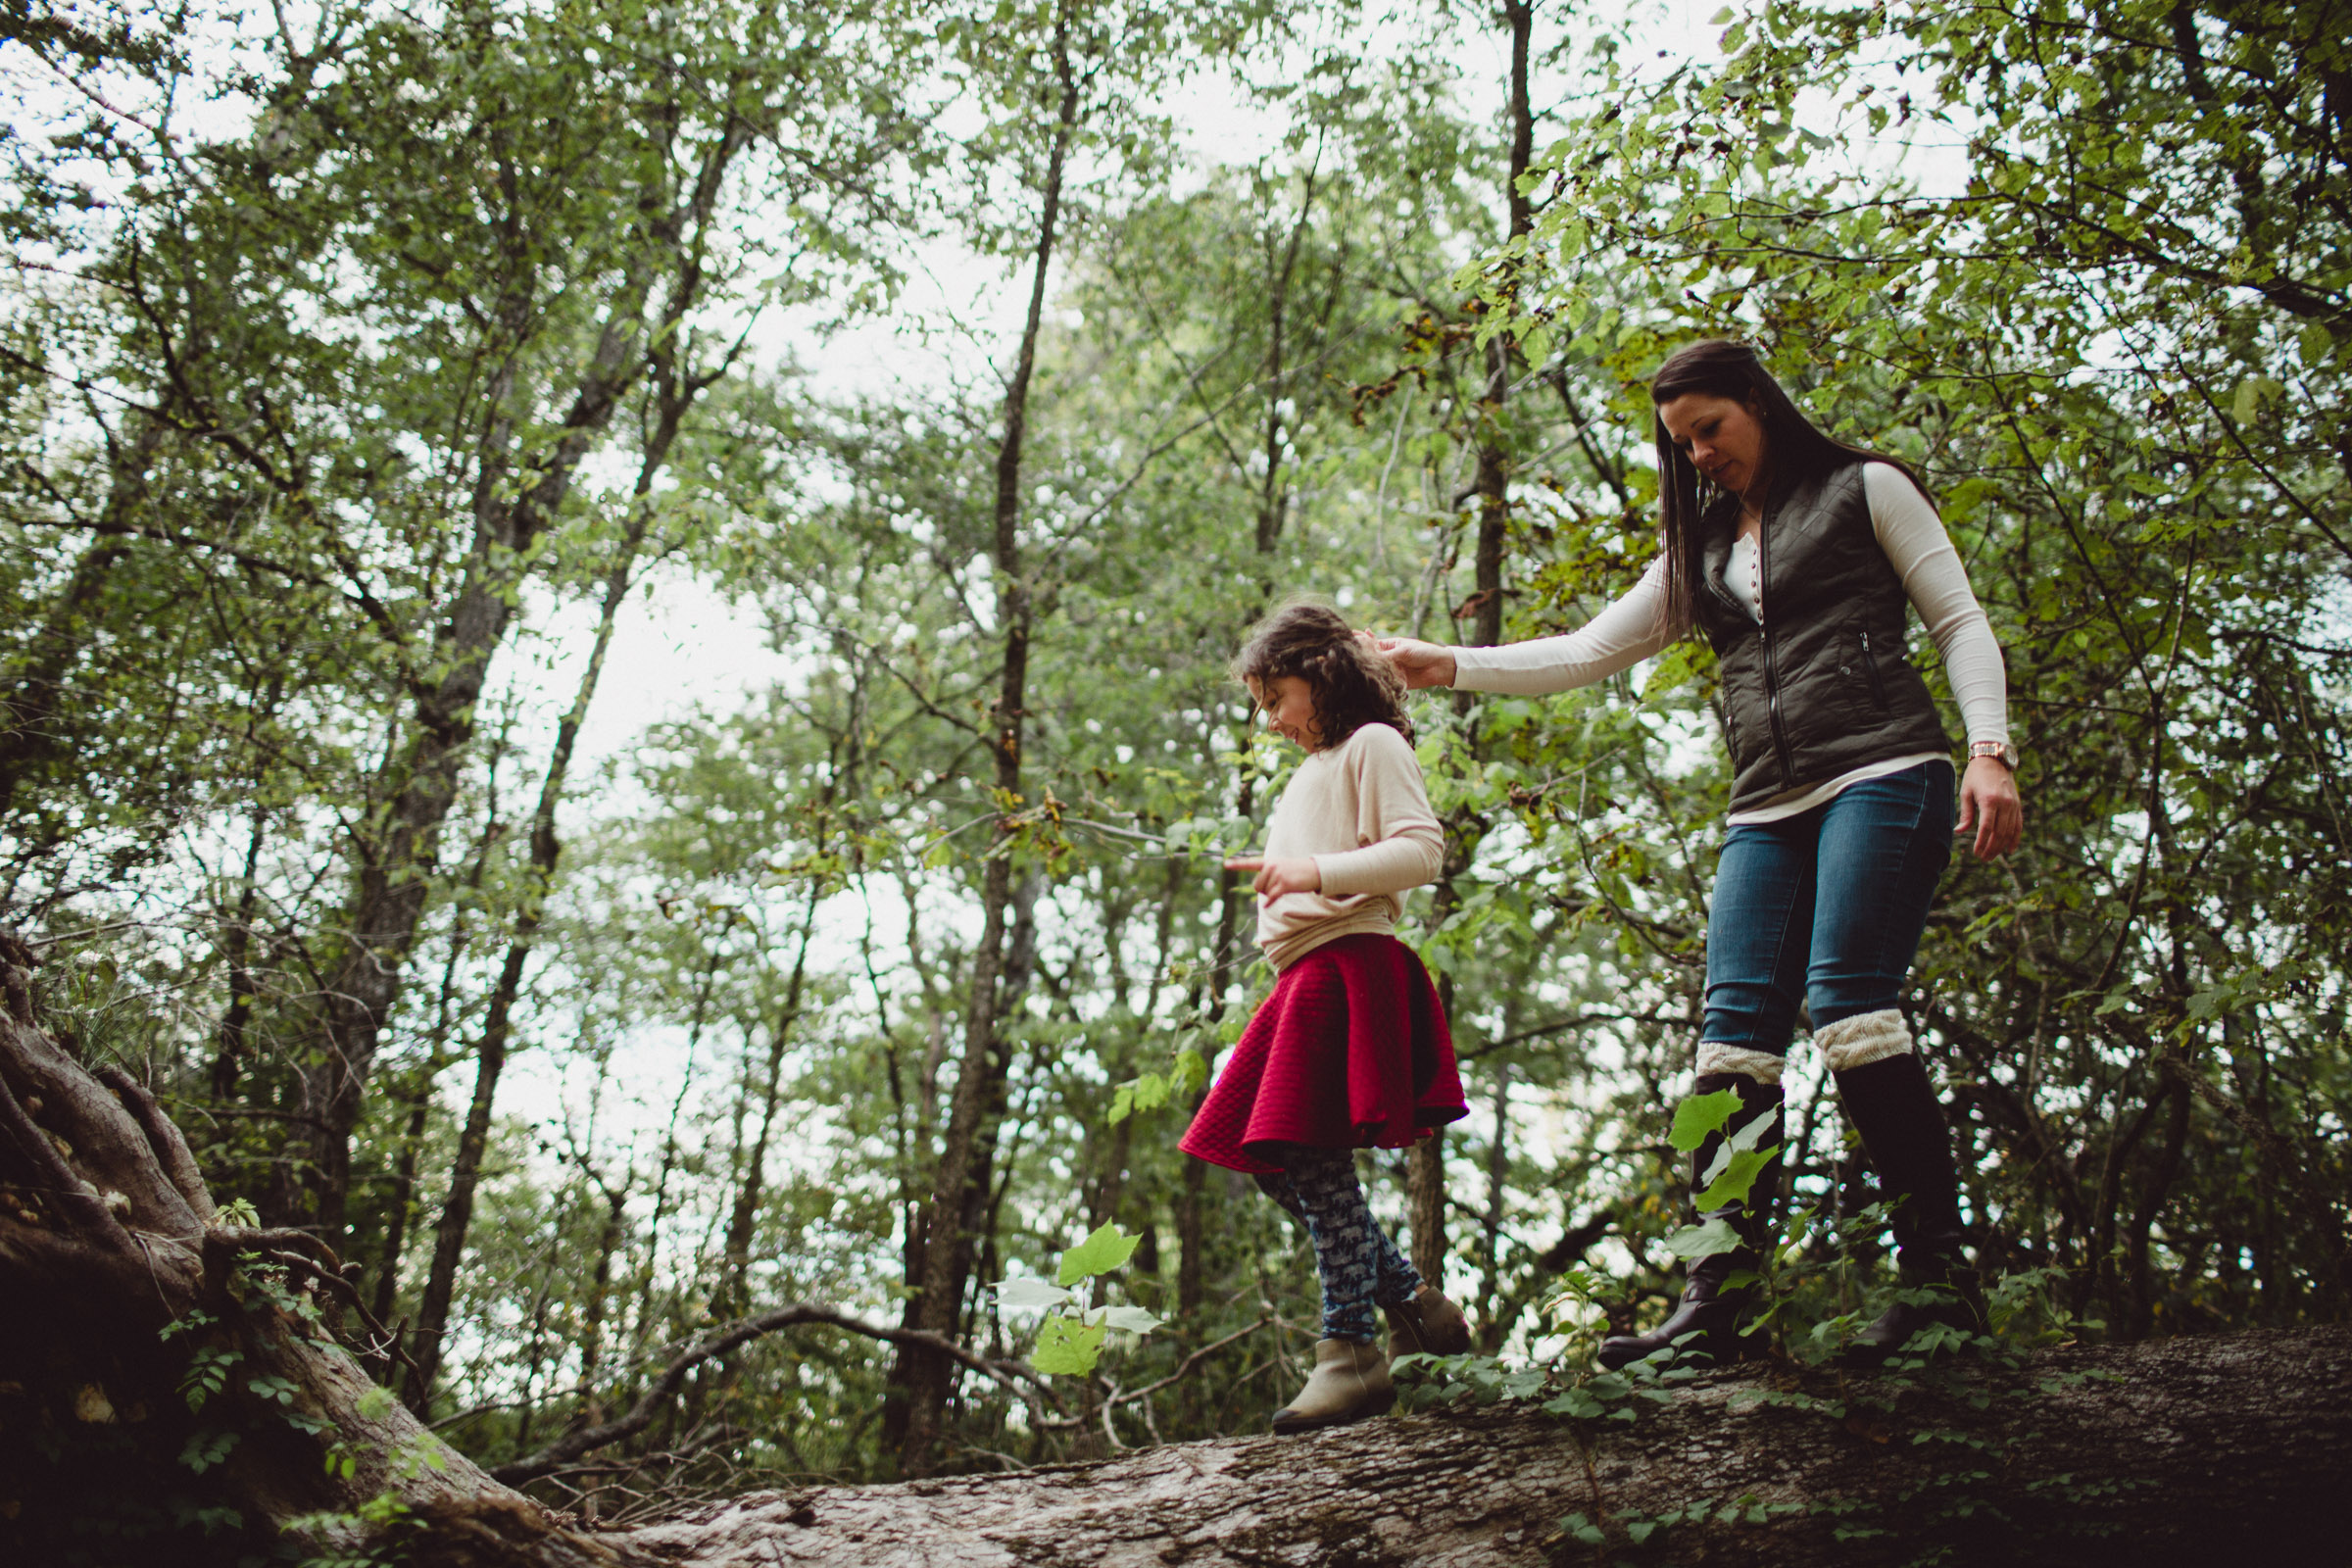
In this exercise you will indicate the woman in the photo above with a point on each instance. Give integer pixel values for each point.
(1798, 558)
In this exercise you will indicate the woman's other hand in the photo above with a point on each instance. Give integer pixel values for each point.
(1422, 664)
(1290, 874)
(1988, 804)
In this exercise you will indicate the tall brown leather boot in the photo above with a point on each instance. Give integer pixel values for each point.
(1893, 1106)
(1709, 1307)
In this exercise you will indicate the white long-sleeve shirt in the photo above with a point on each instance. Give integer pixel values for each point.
(1640, 625)
(1361, 811)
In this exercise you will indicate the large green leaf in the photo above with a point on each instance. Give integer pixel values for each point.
(1739, 1171)
(1695, 1241)
(1128, 1319)
(1700, 1115)
(1108, 1247)
(1029, 1295)
(1068, 1347)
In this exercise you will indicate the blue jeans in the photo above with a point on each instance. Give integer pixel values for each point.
(1824, 907)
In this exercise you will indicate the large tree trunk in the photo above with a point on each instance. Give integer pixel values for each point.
(673, 396)
(2174, 1452)
(968, 1148)
(1424, 1165)
(162, 1379)
(396, 882)
(395, 885)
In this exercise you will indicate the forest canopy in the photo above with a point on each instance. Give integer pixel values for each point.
(371, 371)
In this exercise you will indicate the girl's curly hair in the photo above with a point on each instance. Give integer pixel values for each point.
(1352, 686)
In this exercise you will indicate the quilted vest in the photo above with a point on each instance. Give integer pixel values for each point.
(1824, 685)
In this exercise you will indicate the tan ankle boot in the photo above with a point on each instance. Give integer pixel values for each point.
(1350, 1383)
(1427, 1325)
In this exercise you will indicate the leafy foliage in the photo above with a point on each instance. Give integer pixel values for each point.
(280, 378)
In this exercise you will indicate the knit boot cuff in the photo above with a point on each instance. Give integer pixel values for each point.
(1761, 1065)
(1863, 1039)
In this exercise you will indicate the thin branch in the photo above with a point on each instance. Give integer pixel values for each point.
(650, 1405)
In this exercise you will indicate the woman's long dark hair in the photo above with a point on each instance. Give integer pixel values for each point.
(1795, 449)
(1352, 685)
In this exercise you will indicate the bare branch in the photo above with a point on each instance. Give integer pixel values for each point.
(649, 1407)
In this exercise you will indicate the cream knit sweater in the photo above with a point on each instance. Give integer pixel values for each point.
(1360, 810)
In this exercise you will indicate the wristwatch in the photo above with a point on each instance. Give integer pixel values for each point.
(2001, 751)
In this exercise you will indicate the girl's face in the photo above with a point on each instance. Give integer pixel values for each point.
(1288, 703)
(1723, 436)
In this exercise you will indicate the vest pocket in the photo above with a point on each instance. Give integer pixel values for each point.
(1870, 667)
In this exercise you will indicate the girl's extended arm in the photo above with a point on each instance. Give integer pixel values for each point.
(1620, 637)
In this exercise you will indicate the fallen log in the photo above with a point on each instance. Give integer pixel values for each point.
(2173, 1451)
(169, 1392)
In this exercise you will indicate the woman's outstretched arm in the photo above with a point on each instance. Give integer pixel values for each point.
(1620, 637)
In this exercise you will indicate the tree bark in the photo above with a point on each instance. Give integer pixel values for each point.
(673, 396)
(395, 883)
(970, 1132)
(1424, 1165)
(2171, 1451)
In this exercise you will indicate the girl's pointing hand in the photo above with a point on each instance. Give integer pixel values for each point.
(1290, 874)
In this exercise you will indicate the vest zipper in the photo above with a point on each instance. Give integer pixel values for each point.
(1772, 679)
(1870, 663)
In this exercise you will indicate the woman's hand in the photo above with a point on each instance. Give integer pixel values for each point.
(1990, 806)
(1420, 664)
(1291, 873)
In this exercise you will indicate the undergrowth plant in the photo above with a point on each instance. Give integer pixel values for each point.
(1811, 1295)
(1069, 1341)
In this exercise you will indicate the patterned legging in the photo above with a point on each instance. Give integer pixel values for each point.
(1360, 1267)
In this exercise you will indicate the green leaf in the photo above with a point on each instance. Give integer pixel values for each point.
(1700, 1115)
(204, 1450)
(1131, 1319)
(1067, 1348)
(1190, 1072)
(1676, 667)
(1739, 1174)
(1720, 18)
(274, 1388)
(1695, 1241)
(1750, 1136)
(1584, 1530)
(2245, 404)
(1026, 1295)
(2314, 344)
(1576, 1406)
(1107, 1249)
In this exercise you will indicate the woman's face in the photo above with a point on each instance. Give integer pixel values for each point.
(1289, 707)
(1723, 436)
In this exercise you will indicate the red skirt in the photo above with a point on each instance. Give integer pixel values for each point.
(1349, 1052)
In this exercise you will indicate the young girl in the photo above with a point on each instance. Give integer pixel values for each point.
(1351, 1050)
